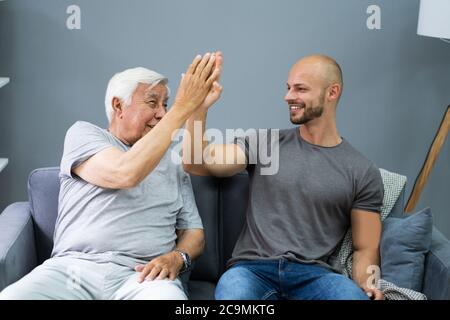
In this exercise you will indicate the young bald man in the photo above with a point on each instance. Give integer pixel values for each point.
(297, 217)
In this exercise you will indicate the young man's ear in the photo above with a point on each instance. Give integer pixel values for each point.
(117, 107)
(334, 91)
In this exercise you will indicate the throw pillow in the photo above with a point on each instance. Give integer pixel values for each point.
(404, 244)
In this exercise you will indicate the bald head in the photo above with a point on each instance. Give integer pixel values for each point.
(314, 88)
(323, 67)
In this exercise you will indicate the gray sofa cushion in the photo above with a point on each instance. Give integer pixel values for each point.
(404, 245)
(201, 290)
(43, 192)
(234, 199)
(17, 247)
(206, 191)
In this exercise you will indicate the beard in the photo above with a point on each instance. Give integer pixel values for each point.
(309, 113)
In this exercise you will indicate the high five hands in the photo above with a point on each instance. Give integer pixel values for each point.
(199, 87)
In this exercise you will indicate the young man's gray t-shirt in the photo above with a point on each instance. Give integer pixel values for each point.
(302, 212)
(125, 226)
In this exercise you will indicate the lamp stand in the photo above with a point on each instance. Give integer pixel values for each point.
(432, 155)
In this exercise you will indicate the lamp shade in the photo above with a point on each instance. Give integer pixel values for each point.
(434, 18)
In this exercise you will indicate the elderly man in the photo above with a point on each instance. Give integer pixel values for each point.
(298, 216)
(127, 224)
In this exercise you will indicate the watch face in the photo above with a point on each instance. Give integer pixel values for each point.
(188, 260)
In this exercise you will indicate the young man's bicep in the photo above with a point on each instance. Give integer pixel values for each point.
(366, 229)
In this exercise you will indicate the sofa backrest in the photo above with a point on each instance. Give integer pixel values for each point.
(208, 265)
(234, 201)
(43, 192)
(222, 204)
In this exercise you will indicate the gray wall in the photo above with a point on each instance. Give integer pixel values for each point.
(397, 83)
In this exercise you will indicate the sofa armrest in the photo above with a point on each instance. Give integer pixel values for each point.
(17, 247)
(436, 282)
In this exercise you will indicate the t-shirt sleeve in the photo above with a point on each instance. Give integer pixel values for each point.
(188, 217)
(369, 191)
(82, 141)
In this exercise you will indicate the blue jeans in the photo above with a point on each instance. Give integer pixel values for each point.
(285, 280)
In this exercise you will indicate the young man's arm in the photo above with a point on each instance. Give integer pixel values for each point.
(113, 168)
(366, 232)
(201, 159)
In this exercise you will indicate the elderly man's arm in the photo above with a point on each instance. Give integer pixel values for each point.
(366, 230)
(113, 168)
(191, 241)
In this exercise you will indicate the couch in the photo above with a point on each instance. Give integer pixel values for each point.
(26, 231)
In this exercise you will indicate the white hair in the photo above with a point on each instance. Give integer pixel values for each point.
(123, 84)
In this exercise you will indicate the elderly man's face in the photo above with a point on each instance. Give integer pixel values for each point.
(148, 106)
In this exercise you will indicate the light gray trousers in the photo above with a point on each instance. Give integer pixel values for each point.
(68, 278)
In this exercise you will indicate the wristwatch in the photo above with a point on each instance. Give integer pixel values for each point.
(186, 261)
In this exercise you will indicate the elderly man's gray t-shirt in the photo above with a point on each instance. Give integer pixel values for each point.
(125, 226)
(302, 212)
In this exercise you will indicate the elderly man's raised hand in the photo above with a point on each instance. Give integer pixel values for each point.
(197, 83)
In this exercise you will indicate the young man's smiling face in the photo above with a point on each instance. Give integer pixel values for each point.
(306, 94)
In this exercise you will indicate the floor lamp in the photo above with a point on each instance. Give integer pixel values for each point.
(434, 21)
